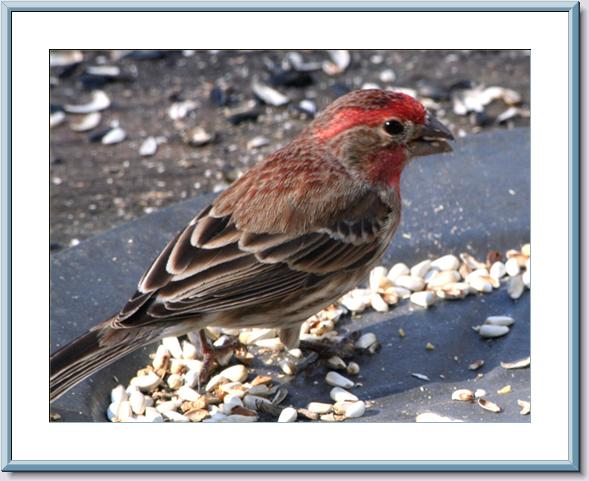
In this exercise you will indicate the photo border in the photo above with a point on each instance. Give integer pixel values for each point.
(572, 464)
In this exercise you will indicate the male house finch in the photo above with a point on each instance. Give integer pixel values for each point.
(291, 236)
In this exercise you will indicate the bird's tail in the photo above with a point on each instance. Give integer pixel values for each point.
(89, 353)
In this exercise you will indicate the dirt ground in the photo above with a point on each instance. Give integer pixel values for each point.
(95, 187)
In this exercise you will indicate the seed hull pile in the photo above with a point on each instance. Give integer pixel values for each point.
(171, 388)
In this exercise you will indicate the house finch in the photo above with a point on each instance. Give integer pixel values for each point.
(291, 236)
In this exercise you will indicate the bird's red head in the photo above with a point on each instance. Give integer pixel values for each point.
(374, 133)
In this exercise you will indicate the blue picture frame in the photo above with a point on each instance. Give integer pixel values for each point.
(573, 462)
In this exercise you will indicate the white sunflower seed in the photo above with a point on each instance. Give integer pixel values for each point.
(319, 408)
(118, 394)
(176, 417)
(443, 278)
(353, 368)
(446, 263)
(480, 393)
(268, 95)
(378, 303)
(335, 379)
(153, 416)
(378, 278)
(521, 363)
(412, 283)
(526, 279)
(512, 267)
(147, 382)
(366, 341)
(148, 147)
(336, 362)
(257, 142)
(288, 415)
(87, 122)
(339, 394)
(172, 344)
(420, 269)
(421, 377)
(167, 406)
(237, 373)
(340, 60)
(497, 270)
(499, 320)
(423, 298)
(397, 270)
(350, 409)
(515, 287)
(137, 402)
(114, 136)
(187, 394)
(490, 331)
(100, 101)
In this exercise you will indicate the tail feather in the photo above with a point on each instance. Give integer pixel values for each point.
(87, 355)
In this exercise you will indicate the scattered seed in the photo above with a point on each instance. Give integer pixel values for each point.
(421, 377)
(100, 101)
(423, 298)
(148, 147)
(319, 408)
(237, 373)
(525, 407)
(340, 60)
(335, 379)
(179, 110)
(336, 362)
(446, 263)
(480, 393)
(488, 405)
(397, 270)
(87, 122)
(366, 341)
(499, 320)
(412, 283)
(497, 270)
(378, 303)
(288, 415)
(420, 269)
(515, 287)
(339, 394)
(378, 278)
(491, 331)
(476, 365)
(257, 142)
(268, 95)
(522, 363)
(504, 390)
(462, 395)
(350, 409)
(442, 278)
(353, 368)
(512, 267)
(402, 332)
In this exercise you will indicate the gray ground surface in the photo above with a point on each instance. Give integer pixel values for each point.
(95, 187)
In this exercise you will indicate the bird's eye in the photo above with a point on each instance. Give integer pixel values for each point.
(393, 127)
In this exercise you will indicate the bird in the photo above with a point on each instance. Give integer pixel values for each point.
(289, 237)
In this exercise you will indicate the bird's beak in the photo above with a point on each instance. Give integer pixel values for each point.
(431, 138)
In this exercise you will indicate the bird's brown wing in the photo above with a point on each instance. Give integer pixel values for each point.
(217, 263)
